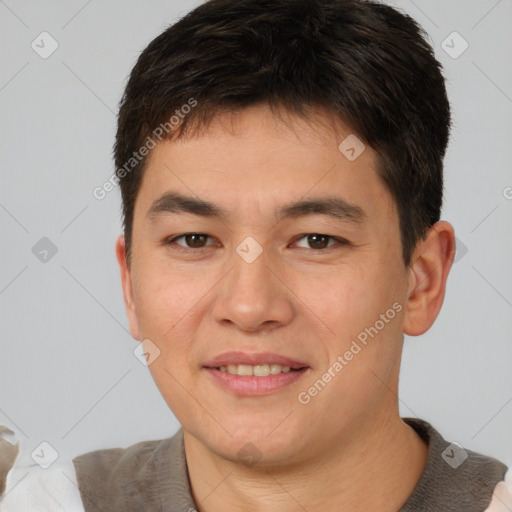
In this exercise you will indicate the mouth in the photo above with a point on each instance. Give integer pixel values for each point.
(254, 374)
(259, 370)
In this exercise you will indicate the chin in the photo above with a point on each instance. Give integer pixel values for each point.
(254, 442)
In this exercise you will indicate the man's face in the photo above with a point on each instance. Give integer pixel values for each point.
(296, 256)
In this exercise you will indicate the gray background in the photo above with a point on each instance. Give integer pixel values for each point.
(68, 375)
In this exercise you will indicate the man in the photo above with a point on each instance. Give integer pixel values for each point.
(280, 163)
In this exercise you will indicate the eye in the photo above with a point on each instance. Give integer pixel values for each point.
(318, 241)
(191, 240)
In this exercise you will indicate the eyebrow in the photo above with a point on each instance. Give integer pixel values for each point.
(334, 206)
(172, 202)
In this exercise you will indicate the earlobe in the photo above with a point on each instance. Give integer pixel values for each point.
(126, 283)
(431, 263)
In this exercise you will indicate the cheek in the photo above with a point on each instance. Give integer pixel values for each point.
(344, 299)
(172, 379)
(164, 296)
(170, 304)
(362, 303)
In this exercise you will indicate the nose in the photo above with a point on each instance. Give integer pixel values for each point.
(253, 297)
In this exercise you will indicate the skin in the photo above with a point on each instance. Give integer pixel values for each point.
(348, 446)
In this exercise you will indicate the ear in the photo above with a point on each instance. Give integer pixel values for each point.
(126, 282)
(428, 272)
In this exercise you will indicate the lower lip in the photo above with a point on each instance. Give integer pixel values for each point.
(255, 386)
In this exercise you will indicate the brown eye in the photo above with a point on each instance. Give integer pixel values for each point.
(195, 240)
(191, 241)
(315, 241)
(318, 241)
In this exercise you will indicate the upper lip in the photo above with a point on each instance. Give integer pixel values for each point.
(253, 359)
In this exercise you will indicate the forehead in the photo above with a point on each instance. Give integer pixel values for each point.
(251, 160)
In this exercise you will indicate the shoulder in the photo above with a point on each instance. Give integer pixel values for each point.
(117, 479)
(126, 479)
(455, 478)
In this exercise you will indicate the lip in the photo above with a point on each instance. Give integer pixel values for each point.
(250, 385)
(243, 385)
(254, 359)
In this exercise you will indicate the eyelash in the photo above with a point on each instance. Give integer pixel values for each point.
(339, 241)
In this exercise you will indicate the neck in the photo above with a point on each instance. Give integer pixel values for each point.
(377, 470)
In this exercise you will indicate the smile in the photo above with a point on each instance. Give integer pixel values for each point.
(260, 370)
(254, 374)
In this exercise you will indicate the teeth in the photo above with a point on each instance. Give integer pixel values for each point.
(275, 369)
(260, 370)
(244, 369)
